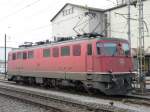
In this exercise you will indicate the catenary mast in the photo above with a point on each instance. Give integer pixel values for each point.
(141, 55)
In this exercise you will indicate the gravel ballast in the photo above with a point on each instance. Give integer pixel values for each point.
(9, 104)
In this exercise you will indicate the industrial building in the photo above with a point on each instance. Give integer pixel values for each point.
(73, 19)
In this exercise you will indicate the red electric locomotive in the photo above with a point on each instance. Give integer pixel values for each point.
(89, 61)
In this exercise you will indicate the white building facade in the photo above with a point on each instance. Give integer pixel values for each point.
(73, 19)
(117, 18)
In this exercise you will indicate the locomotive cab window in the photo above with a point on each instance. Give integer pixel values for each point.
(24, 55)
(89, 49)
(30, 54)
(126, 49)
(76, 50)
(14, 56)
(99, 47)
(46, 52)
(55, 52)
(65, 51)
(108, 48)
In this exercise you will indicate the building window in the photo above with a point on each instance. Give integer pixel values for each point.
(76, 50)
(46, 52)
(24, 55)
(89, 49)
(30, 54)
(19, 55)
(68, 11)
(65, 51)
(55, 52)
(14, 56)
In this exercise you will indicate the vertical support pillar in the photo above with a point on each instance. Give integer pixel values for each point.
(5, 58)
(141, 54)
(129, 24)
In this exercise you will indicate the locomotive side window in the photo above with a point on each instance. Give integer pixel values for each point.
(55, 52)
(89, 49)
(99, 47)
(65, 51)
(46, 52)
(76, 50)
(14, 56)
(24, 55)
(19, 55)
(30, 54)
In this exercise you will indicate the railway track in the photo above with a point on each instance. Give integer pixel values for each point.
(57, 102)
(138, 99)
(128, 97)
(134, 98)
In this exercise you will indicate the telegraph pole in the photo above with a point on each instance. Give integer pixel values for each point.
(129, 24)
(5, 58)
(141, 55)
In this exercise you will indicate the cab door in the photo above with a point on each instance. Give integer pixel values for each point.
(89, 58)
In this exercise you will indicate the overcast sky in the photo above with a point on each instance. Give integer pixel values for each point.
(29, 20)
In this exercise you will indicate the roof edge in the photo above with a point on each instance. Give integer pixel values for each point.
(91, 8)
(80, 6)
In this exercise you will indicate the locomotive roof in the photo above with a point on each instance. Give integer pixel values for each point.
(79, 40)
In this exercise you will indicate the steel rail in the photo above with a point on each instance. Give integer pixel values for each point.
(130, 98)
(56, 102)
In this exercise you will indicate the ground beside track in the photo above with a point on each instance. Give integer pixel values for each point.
(122, 104)
(81, 98)
(8, 104)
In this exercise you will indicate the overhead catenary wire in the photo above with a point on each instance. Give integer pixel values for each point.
(19, 10)
(133, 19)
(114, 3)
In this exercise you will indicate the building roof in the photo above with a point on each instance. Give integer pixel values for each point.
(92, 8)
(80, 6)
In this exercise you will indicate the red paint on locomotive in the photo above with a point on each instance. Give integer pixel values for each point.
(94, 56)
